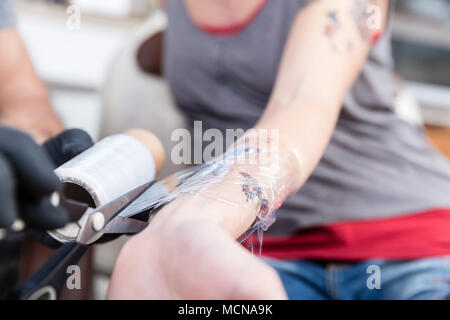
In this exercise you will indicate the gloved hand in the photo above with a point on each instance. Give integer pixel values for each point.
(61, 149)
(27, 178)
(67, 145)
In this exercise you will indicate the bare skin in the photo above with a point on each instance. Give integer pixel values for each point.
(189, 249)
(24, 102)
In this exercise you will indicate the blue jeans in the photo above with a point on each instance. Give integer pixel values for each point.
(376, 279)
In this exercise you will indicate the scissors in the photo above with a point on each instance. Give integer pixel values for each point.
(49, 280)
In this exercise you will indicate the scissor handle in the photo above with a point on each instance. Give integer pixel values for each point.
(49, 280)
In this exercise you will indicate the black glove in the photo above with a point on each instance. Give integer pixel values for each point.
(61, 149)
(27, 179)
(67, 145)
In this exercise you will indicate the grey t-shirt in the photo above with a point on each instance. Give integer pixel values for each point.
(7, 17)
(376, 165)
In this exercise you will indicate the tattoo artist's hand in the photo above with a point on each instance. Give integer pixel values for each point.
(190, 260)
(27, 178)
(67, 145)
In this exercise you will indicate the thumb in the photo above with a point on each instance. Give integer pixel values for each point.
(67, 145)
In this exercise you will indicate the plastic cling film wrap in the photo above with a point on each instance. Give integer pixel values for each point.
(110, 168)
(251, 176)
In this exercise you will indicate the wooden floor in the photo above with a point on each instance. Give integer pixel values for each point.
(441, 138)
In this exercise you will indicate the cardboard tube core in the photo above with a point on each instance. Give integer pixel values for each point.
(152, 143)
(107, 170)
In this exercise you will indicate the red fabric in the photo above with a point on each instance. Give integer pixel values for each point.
(375, 37)
(232, 29)
(414, 236)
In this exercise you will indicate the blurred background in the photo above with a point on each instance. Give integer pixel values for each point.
(95, 82)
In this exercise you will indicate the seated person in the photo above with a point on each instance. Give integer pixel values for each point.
(366, 188)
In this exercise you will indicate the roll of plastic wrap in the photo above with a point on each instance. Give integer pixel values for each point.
(110, 168)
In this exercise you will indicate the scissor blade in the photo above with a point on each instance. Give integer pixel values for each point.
(151, 196)
(154, 195)
(125, 225)
(88, 233)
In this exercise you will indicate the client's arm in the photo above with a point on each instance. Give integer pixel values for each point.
(189, 249)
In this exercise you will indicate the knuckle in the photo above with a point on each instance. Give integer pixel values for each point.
(21, 137)
(23, 146)
(28, 145)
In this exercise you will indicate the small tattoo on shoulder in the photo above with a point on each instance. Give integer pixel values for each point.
(349, 46)
(331, 27)
(332, 23)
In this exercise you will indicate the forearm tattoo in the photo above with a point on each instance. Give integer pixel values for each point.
(252, 191)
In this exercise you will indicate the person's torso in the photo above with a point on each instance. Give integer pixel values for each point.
(7, 17)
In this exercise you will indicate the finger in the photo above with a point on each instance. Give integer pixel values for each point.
(67, 145)
(8, 207)
(41, 214)
(32, 166)
(243, 276)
